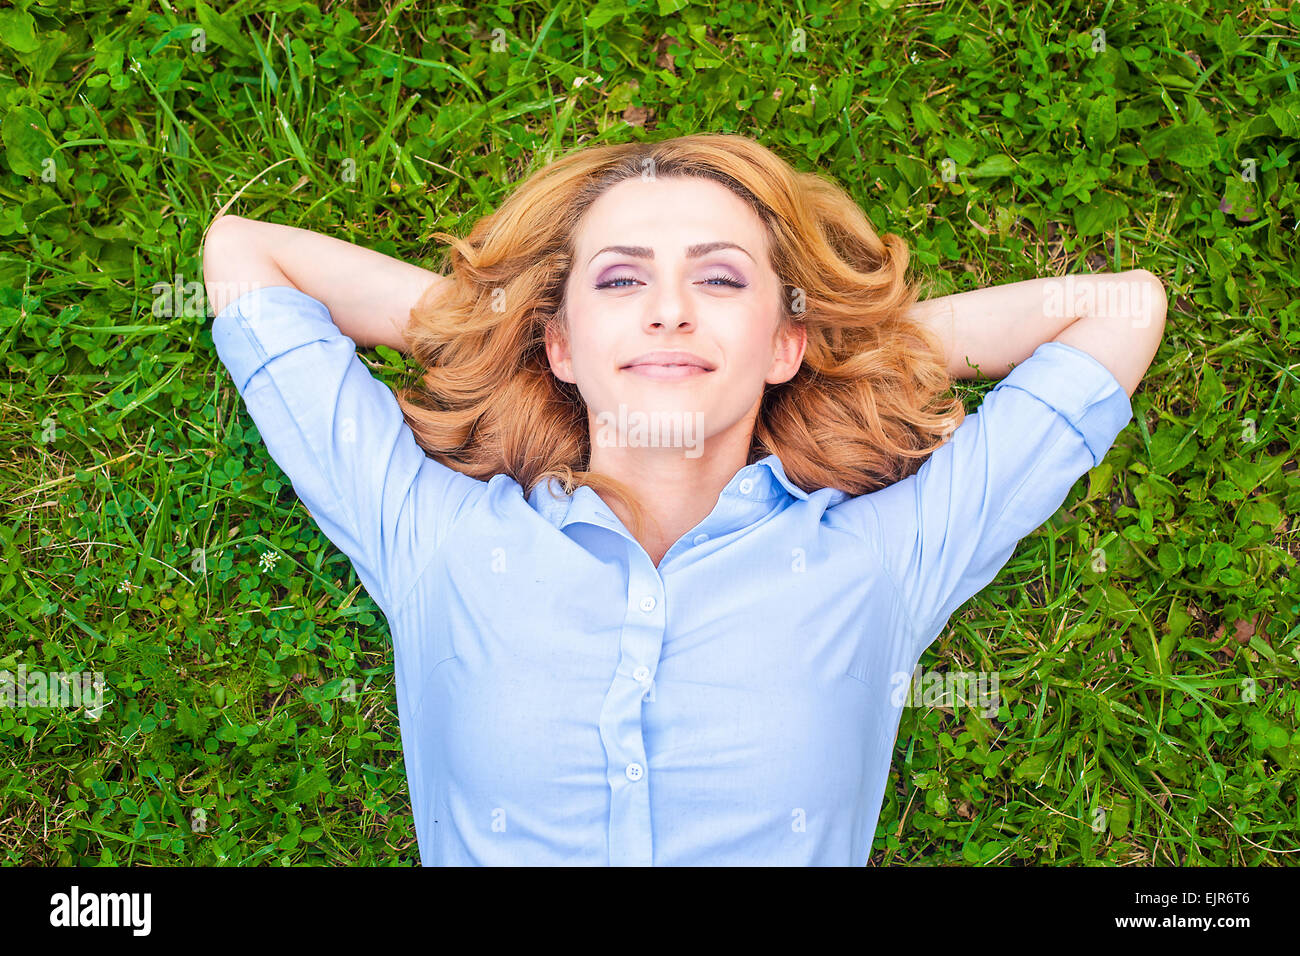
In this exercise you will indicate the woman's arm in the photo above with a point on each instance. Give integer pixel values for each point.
(369, 295)
(1117, 318)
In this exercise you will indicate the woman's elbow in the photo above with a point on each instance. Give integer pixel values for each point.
(1150, 303)
(219, 243)
(234, 261)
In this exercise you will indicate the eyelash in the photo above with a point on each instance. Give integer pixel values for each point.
(725, 279)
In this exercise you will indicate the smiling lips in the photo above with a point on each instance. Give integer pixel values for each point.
(668, 365)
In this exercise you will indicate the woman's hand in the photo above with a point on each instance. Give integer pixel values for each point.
(1117, 318)
(369, 295)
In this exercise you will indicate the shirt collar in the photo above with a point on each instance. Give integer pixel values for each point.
(751, 493)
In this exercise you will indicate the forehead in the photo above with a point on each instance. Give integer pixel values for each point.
(668, 214)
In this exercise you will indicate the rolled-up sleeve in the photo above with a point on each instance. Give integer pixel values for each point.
(944, 532)
(340, 437)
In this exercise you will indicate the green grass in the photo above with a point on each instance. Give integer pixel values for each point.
(1150, 711)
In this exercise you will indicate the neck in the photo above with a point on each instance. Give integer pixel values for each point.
(676, 492)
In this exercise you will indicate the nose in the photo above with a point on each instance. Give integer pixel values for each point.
(670, 312)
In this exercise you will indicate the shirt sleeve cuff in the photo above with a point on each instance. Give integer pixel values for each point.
(267, 322)
(1082, 390)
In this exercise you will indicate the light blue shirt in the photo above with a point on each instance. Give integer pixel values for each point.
(563, 701)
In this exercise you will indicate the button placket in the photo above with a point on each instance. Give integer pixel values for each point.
(621, 728)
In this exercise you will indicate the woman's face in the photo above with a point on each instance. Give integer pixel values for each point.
(673, 265)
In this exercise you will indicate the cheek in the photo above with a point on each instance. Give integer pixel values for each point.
(753, 355)
(593, 355)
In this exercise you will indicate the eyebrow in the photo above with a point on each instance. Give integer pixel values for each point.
(692, 252)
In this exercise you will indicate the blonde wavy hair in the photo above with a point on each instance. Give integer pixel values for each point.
(866, 407)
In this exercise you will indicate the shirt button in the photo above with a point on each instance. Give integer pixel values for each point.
(746, 486)
(641, 673)
(700, 538)
(634, 771)
(647, 603)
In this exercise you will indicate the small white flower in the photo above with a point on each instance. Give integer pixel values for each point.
(268, 560)
(126, 585)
